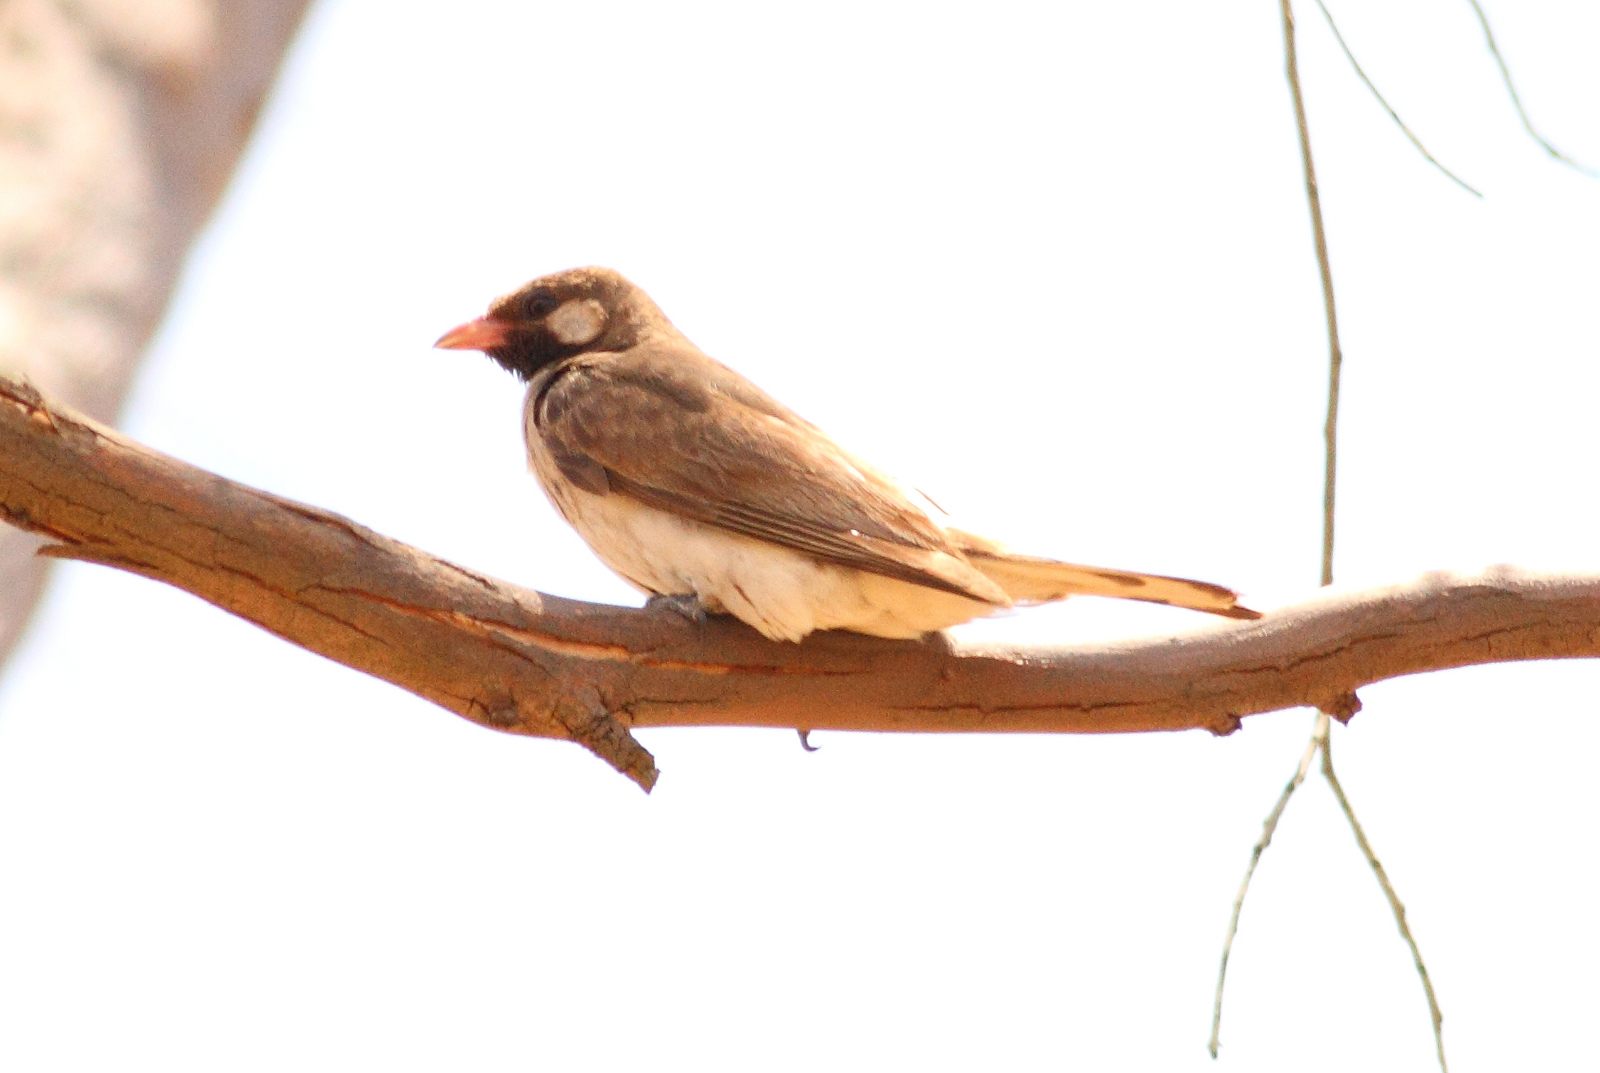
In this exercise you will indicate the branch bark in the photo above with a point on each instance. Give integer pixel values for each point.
(526, 663)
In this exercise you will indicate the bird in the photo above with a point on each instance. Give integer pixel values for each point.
(710, 496)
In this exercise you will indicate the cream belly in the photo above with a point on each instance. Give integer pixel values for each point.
(781, 593)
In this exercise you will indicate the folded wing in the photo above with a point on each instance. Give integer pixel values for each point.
(685, 435)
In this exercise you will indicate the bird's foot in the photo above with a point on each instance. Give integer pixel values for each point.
(686, 604)
(805, 741)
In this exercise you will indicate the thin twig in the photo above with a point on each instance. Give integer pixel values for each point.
(1330, 428)
(1268, 829)
(1516, 99)
(1394, 902)
(1321, 728)
(1387, 107)
(1319, 734)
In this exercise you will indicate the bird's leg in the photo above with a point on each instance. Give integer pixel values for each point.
(805, 740)
(686, 604)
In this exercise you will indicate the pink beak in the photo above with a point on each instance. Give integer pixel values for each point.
(485, 333)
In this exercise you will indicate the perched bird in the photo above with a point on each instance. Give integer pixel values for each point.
(705, 492)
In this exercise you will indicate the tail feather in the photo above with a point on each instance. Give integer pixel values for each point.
(1031, 580)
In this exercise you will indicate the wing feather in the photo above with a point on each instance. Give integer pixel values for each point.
(681, 433)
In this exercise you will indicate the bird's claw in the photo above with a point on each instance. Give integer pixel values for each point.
(684, 604)
(805, 740)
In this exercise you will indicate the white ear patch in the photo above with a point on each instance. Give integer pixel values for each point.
(578, 321)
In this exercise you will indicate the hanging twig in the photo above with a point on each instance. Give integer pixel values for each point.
(1388, 892)
(1344, 706)
(1387, 107)
(1268, 829)
(1516, 99)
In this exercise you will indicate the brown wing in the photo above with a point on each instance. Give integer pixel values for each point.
(683, 434)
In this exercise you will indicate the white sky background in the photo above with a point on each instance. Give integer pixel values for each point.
(1052, 263)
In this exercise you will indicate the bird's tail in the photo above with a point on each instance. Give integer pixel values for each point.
(1031, 580)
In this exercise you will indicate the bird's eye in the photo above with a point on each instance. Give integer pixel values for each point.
(539, 302)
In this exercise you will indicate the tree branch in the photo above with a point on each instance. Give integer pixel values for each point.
(526, 663)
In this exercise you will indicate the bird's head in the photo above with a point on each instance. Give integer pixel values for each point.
(558, 316)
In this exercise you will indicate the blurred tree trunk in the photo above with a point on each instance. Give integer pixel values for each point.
(120, 124)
